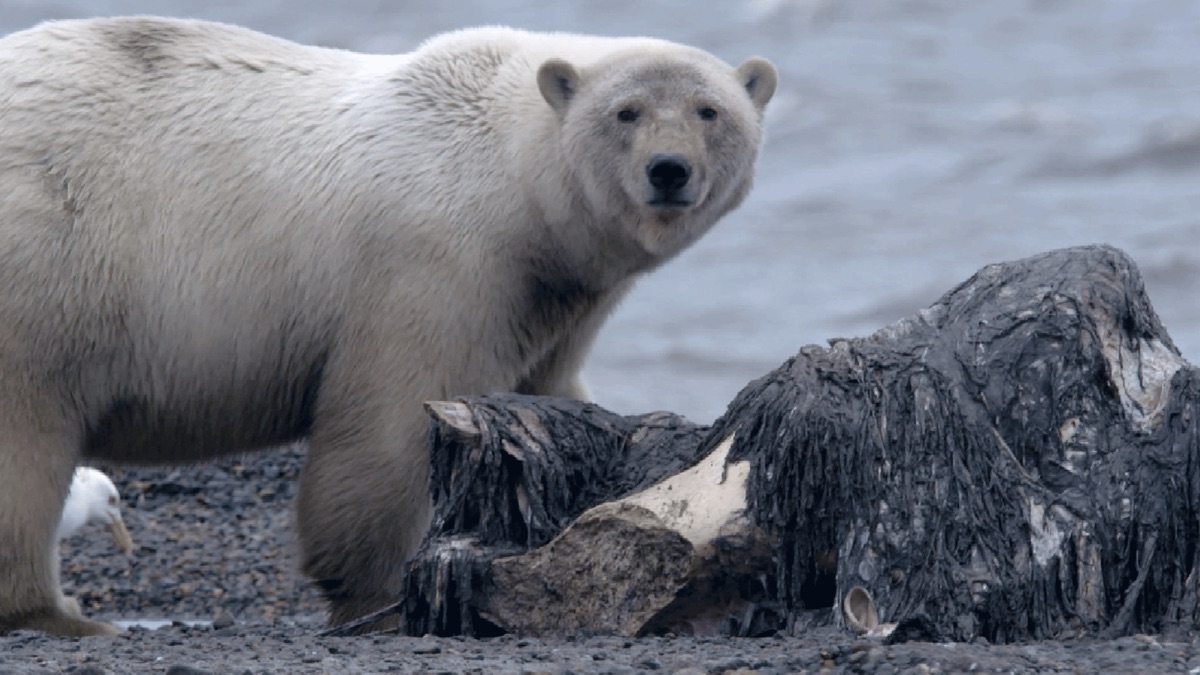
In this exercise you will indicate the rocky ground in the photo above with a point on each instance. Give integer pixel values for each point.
(215, 546)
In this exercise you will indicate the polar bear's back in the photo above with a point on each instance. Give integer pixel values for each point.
(169, 164)
(116, 47)
(113, 83)
(106, 85)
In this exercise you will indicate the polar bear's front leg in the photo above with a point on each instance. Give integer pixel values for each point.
(364, 505)
(559, 373)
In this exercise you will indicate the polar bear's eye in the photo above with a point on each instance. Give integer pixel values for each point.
(707, 113)
(627, 115)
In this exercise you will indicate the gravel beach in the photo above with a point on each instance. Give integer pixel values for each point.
(912, 142)
(215, 547)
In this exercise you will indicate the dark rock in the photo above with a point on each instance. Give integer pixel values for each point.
(186, 670)
(427, 649)
(223, 620)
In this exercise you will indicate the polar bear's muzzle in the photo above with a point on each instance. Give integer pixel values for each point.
(668, 175)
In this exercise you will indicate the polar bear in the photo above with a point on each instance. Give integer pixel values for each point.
(213, 240)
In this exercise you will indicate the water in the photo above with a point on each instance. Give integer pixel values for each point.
(910, 143)
(155, 624)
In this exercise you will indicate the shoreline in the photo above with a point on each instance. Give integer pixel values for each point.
(214, 544)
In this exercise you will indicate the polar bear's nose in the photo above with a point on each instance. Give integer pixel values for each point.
(668, 172)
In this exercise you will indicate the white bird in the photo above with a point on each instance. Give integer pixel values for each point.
(94, 497)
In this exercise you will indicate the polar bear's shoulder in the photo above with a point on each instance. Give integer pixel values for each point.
(501, 43)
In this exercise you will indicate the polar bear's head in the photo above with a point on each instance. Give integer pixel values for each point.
(662, 138)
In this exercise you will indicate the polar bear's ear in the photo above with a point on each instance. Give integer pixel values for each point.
(558, 82)
(758, 76)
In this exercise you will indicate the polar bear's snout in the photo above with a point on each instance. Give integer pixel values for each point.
(669, 175)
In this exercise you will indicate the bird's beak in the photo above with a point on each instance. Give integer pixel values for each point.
(121, 535)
